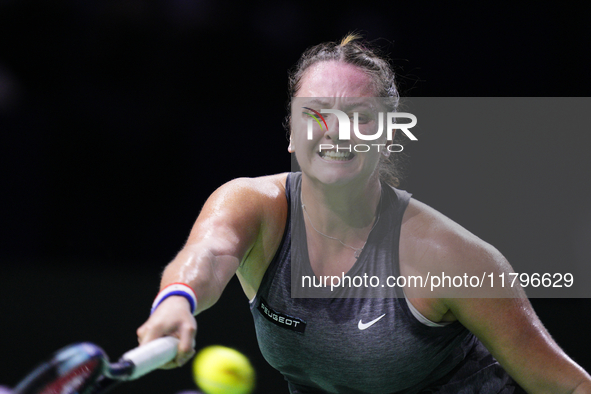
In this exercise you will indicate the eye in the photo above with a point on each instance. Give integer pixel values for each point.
(362, 118)
(309, 111)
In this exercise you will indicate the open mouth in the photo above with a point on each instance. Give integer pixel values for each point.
(336, 156)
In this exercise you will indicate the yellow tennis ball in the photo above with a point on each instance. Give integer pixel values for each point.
(222, 370)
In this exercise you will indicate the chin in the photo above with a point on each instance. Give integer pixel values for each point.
(335, 176)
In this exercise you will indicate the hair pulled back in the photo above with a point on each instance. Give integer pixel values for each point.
(352, 50)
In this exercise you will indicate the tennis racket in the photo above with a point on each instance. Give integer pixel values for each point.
(84, 368)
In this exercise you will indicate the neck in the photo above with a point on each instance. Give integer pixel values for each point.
(346, 212)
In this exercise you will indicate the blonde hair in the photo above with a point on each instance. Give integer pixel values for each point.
(350, 38)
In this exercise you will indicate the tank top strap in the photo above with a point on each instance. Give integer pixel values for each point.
(283, 252)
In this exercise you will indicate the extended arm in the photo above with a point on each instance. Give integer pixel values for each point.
(226, 231)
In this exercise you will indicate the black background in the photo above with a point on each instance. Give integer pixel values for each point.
(119, 118)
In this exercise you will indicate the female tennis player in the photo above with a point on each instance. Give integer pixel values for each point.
(342, 215)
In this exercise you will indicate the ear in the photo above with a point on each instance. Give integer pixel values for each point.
(290, 147)
(385, 151)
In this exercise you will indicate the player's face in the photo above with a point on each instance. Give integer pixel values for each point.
(334, 85)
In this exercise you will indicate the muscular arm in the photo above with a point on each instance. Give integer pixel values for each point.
(221, 238)
(506, 322)
(233, 222)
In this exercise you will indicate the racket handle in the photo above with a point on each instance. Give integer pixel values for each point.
(151, 356)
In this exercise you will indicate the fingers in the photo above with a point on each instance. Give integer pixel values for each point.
(148, 332)
(170, 365)
(186, 343)
(184, 357)
(186, 335)
(174, 319)
(141, 333)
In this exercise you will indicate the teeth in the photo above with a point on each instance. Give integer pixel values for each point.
(339, 156)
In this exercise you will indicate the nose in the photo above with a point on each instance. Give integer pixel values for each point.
(332, 133)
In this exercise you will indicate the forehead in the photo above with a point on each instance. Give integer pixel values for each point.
(335, 79)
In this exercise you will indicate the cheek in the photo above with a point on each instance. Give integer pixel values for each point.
(304, 134)
(300, 145)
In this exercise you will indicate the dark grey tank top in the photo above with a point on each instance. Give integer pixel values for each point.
(317, 343)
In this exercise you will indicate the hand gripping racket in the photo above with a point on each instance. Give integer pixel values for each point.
(84, 368)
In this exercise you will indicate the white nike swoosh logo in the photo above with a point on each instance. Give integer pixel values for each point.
(363, 326)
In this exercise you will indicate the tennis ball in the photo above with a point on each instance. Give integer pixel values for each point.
(222, 370)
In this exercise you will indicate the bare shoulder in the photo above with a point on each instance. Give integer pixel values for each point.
(266, 185)
(246, 200)
(250, 190)
(431, 240)
(241, 213)
(248, 216)
(434, 247)
(264, 197)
